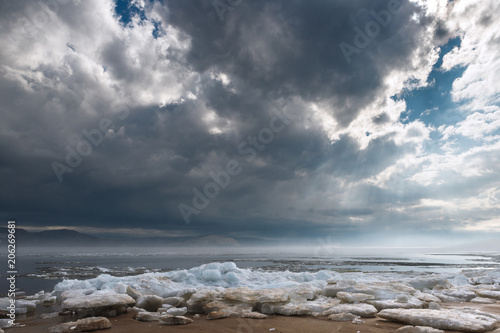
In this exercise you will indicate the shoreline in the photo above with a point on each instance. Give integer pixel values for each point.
(126, 323)
(222, 297)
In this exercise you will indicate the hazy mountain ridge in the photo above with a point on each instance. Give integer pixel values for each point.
(67, 237)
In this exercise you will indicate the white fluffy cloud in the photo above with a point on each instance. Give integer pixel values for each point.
(455, 162)
(475, 23)
(84, 46)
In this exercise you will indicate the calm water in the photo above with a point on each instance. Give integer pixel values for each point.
(42, 269)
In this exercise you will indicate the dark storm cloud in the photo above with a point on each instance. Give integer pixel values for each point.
(288, 49)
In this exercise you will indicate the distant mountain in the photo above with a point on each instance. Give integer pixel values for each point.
(71, 238)
(211, 240)
(249, 241)
(64, 237)
(65, 234)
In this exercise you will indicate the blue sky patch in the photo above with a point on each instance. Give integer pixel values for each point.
(126, 10)
(433, 104)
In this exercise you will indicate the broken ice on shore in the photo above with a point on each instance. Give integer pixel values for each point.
(221, 290)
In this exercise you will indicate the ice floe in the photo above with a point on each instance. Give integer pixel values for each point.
(98, 302)
(82, 325)
(362, 310)
(221, 290)
(441, 319)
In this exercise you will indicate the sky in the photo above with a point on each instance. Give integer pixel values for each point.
(362, 122)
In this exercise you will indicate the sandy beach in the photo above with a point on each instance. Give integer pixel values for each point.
(281, 324)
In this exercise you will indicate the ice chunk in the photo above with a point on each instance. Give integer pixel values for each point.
(73, 284)
(49, 300)
(449, 299)
(173, 301)
(483, 280)
(489, 294)
(320, 305)
(213, 265)
(5, 323)
(105, 281)
(72, 293)
(425, 297)
(177, 311)
(149, 302)
(98, 302)
(346, 297)
(232, 278)
(86, 324)
(434, 306)
(246, 295)
(119, 288)
(132, 292)
(443, 319)
(362, 310)
(179, 276)
(332, 288)
(481, 313)
(200, 298)
(148, 316)
(290, 309)
(221, 310)
(135, 309)
(253, 315)
(21, 306)
(323, 275)
(428, 282)
(229, 267)
(412, 303)
(211, 275)
(460, 295)
(49, 315)
(418, 329)
(186, 293)
(304, 292)
(459, 281)
(402, 298)
(174, 320)
(219, 314)
(482, 300)
(205, 295)
(379, 289)
(215, 306)
(344, 316)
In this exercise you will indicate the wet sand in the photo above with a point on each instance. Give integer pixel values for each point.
(282, 324)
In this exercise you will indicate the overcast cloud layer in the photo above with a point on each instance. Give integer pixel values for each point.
(117, 117)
